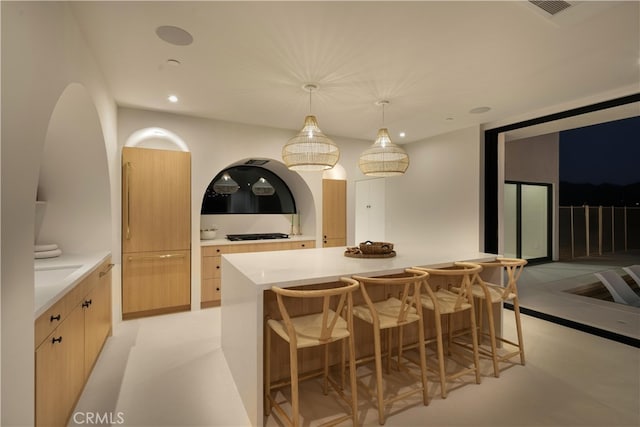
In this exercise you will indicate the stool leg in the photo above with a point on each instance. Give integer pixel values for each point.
(352, 380)
(325, 382)
(492, 337)
(295, 404)
(440, 345)
(516, 311)
(474, 338)
(378, 359)
(342, 363)
(423, 361)
(400, 344)
(387, 333)
(267, 370)
(481, 320)
(449, 333)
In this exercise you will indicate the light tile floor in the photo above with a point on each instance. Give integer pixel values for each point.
(170, 371)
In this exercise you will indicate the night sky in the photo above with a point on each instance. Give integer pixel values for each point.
(603, 153)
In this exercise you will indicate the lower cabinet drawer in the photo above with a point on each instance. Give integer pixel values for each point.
(211, 290)
(155, 281)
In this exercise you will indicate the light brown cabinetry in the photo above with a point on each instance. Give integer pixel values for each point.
(334, 213)
(60, 371)
(211, 264)
(97, 318)
(158, 282)
(156, 231)
(65, 357)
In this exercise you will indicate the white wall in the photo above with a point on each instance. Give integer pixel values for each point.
(73, 183)
(437, 201)
(43, 52)
(536, 160)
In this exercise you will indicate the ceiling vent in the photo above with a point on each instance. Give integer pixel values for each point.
(256, 162)
(550, 6)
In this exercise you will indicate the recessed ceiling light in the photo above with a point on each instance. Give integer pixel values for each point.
(174, 35)
(479, 110)
(402, 134)
(449, 118)
(172, 98)
(173, 62)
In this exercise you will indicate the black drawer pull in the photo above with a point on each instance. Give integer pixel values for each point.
(218, 267)
(56, 340)
(54, 318)
(87, 303)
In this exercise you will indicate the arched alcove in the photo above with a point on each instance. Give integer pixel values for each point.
(74, 204)
(157, 138)
(258, 223)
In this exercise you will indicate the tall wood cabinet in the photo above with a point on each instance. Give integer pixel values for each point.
(156, 231)
(334, 213)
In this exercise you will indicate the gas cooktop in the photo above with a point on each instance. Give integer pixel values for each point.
(256, 236)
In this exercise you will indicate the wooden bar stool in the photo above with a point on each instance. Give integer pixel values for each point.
(394, 312)
(453, 298)
(312, 330)
(493, 294)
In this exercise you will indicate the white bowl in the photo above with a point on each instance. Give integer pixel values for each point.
(207, 234)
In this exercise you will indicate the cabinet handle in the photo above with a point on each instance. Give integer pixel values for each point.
(302, 245)
(54, 318)
(218, 267)
(104, 272)
(56, 340)
(87, 303)
(127, 190)
(152, 257)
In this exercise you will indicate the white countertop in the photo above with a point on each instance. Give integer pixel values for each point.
(321, 265)
(225, 241)
(54, 277)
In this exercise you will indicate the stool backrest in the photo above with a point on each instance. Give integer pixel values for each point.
(513, 267)
(329, 318)
(466, 271)
(409, 292)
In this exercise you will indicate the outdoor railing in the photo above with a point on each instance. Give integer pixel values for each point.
(598, 230)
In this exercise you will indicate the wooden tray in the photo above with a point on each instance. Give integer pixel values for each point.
(361, 255)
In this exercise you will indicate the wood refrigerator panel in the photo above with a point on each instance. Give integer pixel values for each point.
(156, 231)
(156, 200)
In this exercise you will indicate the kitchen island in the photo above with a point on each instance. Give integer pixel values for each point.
(246, 276)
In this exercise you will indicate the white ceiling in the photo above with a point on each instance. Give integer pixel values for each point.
(434, 61)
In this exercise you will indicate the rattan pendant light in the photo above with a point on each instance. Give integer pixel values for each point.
(383, 158)
(310, 149)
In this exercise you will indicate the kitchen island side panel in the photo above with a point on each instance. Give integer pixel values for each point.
(242, 338)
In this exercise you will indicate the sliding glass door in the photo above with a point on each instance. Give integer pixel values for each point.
(527, 220)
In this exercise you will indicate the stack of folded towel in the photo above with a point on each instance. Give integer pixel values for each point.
(47, 251)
